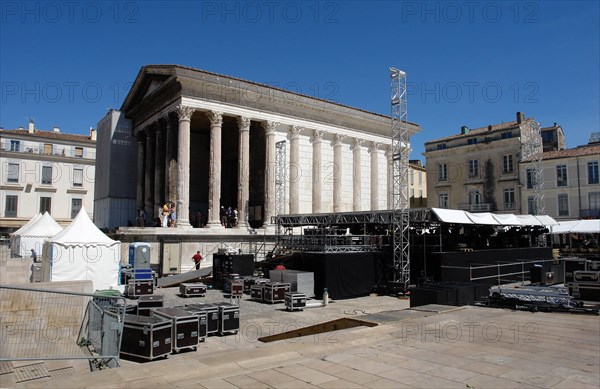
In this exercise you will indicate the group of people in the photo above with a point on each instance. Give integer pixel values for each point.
(229, 217)
(166, 217)
(168, 214)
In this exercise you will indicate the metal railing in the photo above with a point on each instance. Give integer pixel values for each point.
(502, 270)
(41, 324)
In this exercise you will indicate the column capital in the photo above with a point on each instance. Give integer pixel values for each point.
(317, 135)
(295, 131)
(216, 118)
(356, 143)
(184, 112)
(337, 139)
(373, 147)
(244, 123)
(270, 127)
(388, 150)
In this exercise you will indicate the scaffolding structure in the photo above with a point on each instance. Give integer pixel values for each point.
(400, 200)
(534, 151)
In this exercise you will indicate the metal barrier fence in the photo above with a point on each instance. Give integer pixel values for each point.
(41, 324)
(509, 271)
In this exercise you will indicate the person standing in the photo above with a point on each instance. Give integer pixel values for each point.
(165, 214)
(197, 258)
(34, 255)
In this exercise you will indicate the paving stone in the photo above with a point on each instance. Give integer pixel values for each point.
(30, 372)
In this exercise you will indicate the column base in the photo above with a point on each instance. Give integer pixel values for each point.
(183, 224)
(214, 225)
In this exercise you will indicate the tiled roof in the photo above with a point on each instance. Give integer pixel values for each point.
(49, 135)
(478, 131)
(575, 152)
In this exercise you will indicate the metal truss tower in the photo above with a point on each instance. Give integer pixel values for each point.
(400, 199)
(534, 150)
(280, 154)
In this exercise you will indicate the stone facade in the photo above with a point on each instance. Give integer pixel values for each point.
(227, 133)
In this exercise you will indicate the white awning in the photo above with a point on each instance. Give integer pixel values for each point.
(577, 226)
(529, 220)
(507, 219)
(451, 216)
(482, 218)
(546, 220)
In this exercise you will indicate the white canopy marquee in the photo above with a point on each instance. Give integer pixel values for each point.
(83, 252)
(577, 226)
(487, 218)
(14, 248)
(33, 237)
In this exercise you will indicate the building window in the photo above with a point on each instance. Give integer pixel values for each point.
(506, 135)
(79, 152)
(75, 207)
(547, 136)
(10, 206)
(442, 172)
(507, 163)
(594, 199)
(441, 146)
(530, 178)
(563, 205)
(474, 197)
(15, 145)
(420, 178)
(593, 172)
(509, 198)
(531, 206)
(561, 175)
(47, 175)
(47, 148)
(77, 177)
(472, 141)
(12, 172)
(443, 200)
(45, 204)
(473, 168)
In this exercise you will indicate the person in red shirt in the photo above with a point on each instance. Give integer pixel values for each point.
(280, 266)
(197, 258)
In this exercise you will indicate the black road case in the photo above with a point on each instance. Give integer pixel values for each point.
(256, 292)
(147, 303)
(185, 327)
(201, 314)
(229, 318)
(212, 316)
(295, 301)
(146, 337)
(137, 288)
(275, 292)
(193, 290)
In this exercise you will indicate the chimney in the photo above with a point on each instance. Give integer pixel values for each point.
(555, 124)
(92, 134)
(520, 117)
(31, 127)
(490, 127)
(56, 129)
(464, 130)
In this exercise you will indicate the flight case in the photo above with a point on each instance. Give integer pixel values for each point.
(146, 337)
(275, 292)
(229, 318)
(212, 316)
(295, 301)
(192, 290)
(185, 326)
(201, 314)
(147, 303)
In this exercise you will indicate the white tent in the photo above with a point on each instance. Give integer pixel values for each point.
(14, 237)
(482, 218)
(34, 235)
(577, 226)
(83, 252)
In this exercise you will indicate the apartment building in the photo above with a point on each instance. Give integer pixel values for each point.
(45, 171)
(417, 184)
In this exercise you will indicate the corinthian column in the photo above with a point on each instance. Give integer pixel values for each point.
(171, 160)
(149, 173)
(183, 167)
(295, 169)
(243, 171)
(373, 150)
(337, 172)
(317, 188)
(214, 171)
(356, 175)
(141, 160)
(159, 166)
(390, 177)
(270, 130)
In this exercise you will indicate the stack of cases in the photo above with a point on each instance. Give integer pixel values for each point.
(136, 288)
(586, 285)
(295, 301)
(185, 327)
(237, 288)
(300, 281)
(229, 318)
(192, 290)
(212, 316)
(275, 292)
(202, 322)
(147, 303)
(146, 337)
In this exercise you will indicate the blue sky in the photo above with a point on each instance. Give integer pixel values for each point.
(469, 63)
